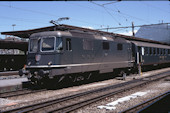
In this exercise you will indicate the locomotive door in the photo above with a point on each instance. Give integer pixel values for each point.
(68, 55)
(106, 47)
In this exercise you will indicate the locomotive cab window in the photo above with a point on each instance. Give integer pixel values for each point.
(68, 44)
(33, 45)
(59, 43)
(119, 46)
(47, 44)
(106, 45)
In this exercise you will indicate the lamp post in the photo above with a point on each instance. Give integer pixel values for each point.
(13, 25)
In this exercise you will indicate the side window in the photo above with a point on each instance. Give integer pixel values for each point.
(161, 51)
(59, 43)
(106, 45)
(87, 44)
(169, 51)
(154, 51)
(119, 46)
(164, 51)
(68, 44)
(158, 51)
(146, 50)
(150, 51)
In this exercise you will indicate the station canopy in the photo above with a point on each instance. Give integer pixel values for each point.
(62, 27)
(27, 33)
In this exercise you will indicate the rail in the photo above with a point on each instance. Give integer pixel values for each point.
(8, 73)
(19, 92)
(76, 101)
(144, 104)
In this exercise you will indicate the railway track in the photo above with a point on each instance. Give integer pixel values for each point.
(76, 101)
(8, 73)
(144, 104)
(19, 92)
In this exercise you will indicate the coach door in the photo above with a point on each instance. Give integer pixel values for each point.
(129, 50)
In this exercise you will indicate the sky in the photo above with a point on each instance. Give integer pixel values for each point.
(24, 15)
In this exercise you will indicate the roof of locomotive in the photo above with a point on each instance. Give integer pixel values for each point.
(51, 33)
(77, 34)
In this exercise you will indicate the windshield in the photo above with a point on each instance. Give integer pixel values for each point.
(33, 45)
(47, 44)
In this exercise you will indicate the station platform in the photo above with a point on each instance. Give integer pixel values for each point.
(11, 84)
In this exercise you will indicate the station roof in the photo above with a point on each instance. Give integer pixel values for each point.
(27, 33)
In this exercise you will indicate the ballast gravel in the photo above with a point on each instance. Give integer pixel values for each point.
(13, 102)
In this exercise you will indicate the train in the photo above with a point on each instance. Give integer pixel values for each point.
(77, 55)
(12, 54)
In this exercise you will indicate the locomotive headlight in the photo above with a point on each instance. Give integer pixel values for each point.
(29, 63)
(37, 57)
(49, 63)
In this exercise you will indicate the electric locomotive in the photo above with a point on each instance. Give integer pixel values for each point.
(77, 55)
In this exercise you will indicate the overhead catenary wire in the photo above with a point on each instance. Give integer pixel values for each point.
(131, 26)
(44, 13)
(107, 12)
(158, 8)
(120, 12)
(103, 5)
(110, 3)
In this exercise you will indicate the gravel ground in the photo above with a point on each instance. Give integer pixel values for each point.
(153, 89)
(51, 94)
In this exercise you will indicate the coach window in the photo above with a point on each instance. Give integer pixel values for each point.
(169, 51)
(146, 50)
(161, 51)
(106, 45)
(154, 51)
(164, 51)
(157, 51)
(119, 46)
(150, 51)
(68, 44)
